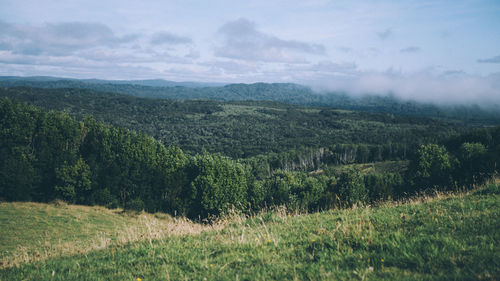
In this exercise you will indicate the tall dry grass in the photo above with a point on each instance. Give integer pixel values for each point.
(122, 228)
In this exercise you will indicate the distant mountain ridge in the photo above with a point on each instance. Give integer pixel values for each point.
(146, 82)
(280, 92)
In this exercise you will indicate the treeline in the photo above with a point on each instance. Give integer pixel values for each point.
(464, 161)
(249, 129)
(50, 155)
(460, 163)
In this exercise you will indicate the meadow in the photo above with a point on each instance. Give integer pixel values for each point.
(33, 232)
(438, 237)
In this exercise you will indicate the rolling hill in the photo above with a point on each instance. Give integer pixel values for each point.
(243, 129)
(446, 237)
(281, 92)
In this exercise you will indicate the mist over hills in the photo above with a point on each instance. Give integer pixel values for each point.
(282, 92)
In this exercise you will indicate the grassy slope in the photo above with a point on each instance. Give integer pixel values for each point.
(34, 231)
(381, 167)
(446, 237)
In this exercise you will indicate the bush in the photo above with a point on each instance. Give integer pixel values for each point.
(295, 190)
(219, 185)
(103, 197)
(351, 188)
(135, 205)
(490, 189)
(256, 195)
(431, 168)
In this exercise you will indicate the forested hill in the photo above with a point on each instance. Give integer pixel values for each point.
(282, 92)
(49, 155)
(146, 82)
(249, 128)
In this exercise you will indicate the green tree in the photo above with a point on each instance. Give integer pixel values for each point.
(431, 168)
(18, 176)
(174, 189)
(351, 187)
(74, 181)
(476, 165)
(219, 185)
(279, 188)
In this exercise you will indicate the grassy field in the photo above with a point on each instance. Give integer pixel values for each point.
(445, 237)
(373, 168)
(34, 231)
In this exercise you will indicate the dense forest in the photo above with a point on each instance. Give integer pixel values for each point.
(49, 155)
(281, 92)
(275, 135)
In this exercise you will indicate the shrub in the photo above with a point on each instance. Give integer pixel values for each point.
(135, 205)
(490, 189)
(219, 185)
(351, 188)
(103, 197)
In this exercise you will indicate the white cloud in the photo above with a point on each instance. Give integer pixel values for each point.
(448, 88)
(59, 39)
(490, 60)
(165, 37)
(241, 40)
(384, 35)
(411, 49)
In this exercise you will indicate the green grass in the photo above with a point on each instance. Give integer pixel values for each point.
(447, 237)
(381, 167)
(34, 231)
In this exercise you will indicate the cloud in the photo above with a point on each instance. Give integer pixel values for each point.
(490, 60)
(385, 34)
(72, 67)
(233, 69)
(241, 40)
(4, 27)
(58, 39)
(454, 73)
(457, 88)
(344, 49)
(323, 68)
(411, 49)
(168, 38)
(445, 34)
(193, 54)
(81, 47)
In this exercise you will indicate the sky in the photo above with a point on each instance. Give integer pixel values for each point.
(438, 51)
